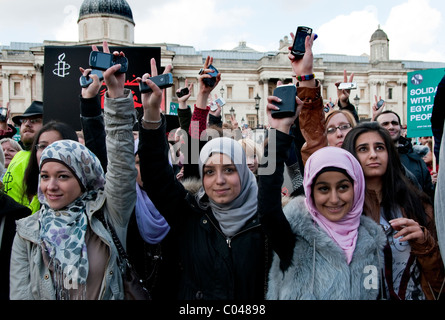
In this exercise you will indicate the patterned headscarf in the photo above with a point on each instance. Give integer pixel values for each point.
(63, 231)
(231, 216)
(345, 231)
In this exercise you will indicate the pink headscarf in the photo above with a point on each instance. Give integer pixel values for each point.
(345, 231)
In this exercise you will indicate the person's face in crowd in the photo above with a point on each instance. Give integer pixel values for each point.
(428, 158)
(29, 128)
(9, 152)
(390, 122)
(220, 179)
(252, 160)
(372, 154)
(425, 140)
(333, 195)
(59, 185)
(45, 139)
(337, 128)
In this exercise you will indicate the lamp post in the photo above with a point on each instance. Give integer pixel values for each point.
(222, 96)
(257, 107)
(357, 102)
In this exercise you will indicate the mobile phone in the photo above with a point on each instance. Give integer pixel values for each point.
(182, 92)
(298, 47)
(220, 101)
(162, 81)
(287, 94)
(85, 81)
(326, 108)
(102, 61)
(380, 104)
(210, 82)
(3, 114)
(347, 85)
(213, 106)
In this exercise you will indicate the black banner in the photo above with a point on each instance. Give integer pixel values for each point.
(61, 78)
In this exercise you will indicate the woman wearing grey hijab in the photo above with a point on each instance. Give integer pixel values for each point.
(220, 243)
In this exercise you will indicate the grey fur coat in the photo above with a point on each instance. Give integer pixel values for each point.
(319, 270)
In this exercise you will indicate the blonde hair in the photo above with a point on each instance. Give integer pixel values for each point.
(251, 147)
(346, 113)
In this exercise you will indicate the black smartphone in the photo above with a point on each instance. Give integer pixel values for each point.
(102, 61)
(3, 114)
(380, 104)
(298, 47)
(210, 82)
(288, 105)
(182, 92)
(162, 81)
(86, 81)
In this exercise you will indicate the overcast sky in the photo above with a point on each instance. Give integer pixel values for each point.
(415, 28)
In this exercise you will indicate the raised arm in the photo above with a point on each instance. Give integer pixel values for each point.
(270, 209)
(119, 116)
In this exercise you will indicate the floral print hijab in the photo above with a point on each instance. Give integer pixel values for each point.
(62, 231)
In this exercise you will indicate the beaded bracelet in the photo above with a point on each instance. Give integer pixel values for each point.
(306, 77)
(151, 122)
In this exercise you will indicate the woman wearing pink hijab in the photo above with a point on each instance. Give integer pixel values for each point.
(324, 248)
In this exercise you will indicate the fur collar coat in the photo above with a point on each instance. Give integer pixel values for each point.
(319, 270)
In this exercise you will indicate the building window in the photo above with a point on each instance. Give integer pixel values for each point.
(389, 93)
(250, 92)
(17, 89)
(229, 92)
(105, 29)
(251, 120)
(85, 32)
(126, 32)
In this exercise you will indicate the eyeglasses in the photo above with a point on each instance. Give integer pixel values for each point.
(342, 127)
(31, 121)
(41, 146)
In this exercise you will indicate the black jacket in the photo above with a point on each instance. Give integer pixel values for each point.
(211, 267)
(10, 211)
(416, 165)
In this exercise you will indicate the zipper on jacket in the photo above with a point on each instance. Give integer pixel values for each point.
(229, 239)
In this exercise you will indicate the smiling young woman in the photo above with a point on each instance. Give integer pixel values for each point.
(405, 213)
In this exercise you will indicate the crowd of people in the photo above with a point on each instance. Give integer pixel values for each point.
(193, 203)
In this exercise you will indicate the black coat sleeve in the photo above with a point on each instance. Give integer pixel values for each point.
(270, 210)
(93, 127)
(159, 181)
(438, 117)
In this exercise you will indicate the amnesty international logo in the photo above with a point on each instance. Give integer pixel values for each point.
(62, 67)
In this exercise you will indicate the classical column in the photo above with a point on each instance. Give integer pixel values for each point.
(5, 89)
(263, 101)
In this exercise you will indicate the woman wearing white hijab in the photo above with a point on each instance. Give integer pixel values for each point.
(220, 244)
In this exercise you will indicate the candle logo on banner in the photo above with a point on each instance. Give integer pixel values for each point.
(62, 67)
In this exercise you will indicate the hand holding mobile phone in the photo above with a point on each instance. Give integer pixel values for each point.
(288, 105)
(299, 47)
(3, 114)
(210, 82)
(102, 61)
(183, 92)
(85, 81)
(162, 81)
(380, 104)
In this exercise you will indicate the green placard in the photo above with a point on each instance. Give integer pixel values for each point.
(174, 108)
(422, 87)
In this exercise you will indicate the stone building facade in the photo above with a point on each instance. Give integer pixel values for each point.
(246, 74)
